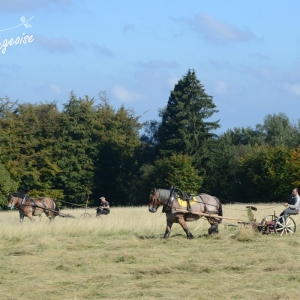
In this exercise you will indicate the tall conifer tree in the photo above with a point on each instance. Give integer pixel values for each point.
(185, 127)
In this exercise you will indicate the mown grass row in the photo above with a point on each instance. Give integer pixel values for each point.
(123, 256)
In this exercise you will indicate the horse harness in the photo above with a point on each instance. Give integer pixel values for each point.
(32, 203)
(186, 197)
(43, 203)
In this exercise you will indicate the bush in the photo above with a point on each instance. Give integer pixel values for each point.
(7, 185)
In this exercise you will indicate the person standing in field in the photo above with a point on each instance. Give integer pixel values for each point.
(104, 208)
(293, 204)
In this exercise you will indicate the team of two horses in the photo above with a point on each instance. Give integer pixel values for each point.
(181, 210)
(30, 207)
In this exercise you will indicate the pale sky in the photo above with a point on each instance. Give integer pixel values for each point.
(245, 53)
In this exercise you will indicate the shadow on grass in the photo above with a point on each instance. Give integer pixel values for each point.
(20, 252)
(152, 237)
(148, 237)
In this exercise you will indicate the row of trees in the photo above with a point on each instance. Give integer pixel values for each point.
(90, 149)
(70, 155)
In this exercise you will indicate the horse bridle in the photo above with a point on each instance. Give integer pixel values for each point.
(22, 202)
(156, 198)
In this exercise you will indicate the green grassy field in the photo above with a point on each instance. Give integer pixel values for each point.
(123, 256)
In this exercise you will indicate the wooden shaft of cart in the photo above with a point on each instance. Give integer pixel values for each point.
(207, 215)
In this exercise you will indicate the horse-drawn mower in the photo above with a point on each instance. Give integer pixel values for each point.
(272, 224)
(269, 224)
(181, 208)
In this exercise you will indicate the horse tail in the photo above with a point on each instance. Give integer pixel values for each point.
(220, 209)
(56, 208)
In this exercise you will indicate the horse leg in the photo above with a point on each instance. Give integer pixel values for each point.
(182, 222)
(51, 218)
(168, 229)
(30, 216)
(21, 216)
(51, 215)
(213, 228)
(47, 213)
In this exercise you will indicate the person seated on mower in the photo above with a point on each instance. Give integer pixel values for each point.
(104, 208)
(293, 204)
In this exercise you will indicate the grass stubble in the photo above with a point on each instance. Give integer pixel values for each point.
(123, 256)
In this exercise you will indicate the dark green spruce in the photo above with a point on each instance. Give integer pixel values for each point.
(186, 123)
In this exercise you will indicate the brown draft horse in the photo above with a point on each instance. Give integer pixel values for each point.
(29, 207)
(201, 203)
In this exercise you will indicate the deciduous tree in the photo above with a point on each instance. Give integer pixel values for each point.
(269, 173)
(75, 150)
(176, 170)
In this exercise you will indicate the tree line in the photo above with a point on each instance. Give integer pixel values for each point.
(90, 149)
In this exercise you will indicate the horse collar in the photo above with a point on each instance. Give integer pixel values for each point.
(169, 203)
(33, 204)
(23, 200)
